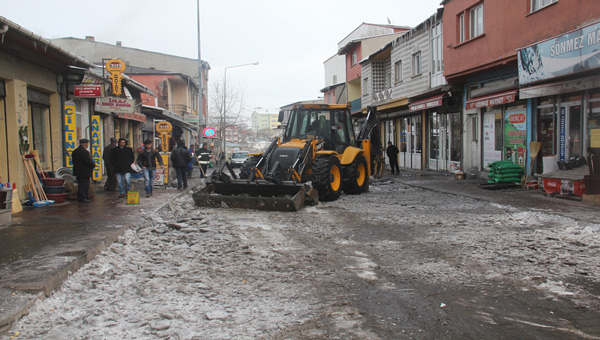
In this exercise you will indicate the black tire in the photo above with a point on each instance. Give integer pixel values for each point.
(248, 165)
(356, 177)
(327, 177)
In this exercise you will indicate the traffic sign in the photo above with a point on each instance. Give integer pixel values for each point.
(209, 132)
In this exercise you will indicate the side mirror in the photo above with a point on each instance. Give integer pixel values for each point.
(280, 117)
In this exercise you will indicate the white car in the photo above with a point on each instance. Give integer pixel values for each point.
(238, 158)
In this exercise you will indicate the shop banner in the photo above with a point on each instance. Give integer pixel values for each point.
(562, 147)
(574, 52)
(114, 104)
(95, 147)
(70, 133)
(515, 137)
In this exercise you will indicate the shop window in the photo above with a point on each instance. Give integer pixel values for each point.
(40, 118)
(594, 115)
(547, 129)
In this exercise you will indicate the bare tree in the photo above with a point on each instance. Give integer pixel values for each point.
(234, 101)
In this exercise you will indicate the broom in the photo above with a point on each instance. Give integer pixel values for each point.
(534, 150)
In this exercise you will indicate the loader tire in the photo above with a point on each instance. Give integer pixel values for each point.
(356, 178)
(248, 165)
(327, 177)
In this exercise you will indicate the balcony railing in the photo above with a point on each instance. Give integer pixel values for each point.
(382, 95)
(180, 109)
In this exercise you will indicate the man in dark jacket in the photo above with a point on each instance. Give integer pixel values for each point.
(111, 179)
(83, 166)
(147, 159)
(180, 157)
(121, 158)
(392, 153)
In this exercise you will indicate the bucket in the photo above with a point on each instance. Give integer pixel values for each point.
(133, 197)
(54, 189)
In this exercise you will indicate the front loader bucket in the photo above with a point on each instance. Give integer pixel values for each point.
(259, 195)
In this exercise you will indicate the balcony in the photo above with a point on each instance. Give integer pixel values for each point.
(382, 96)
(180, 109)
(355, 105)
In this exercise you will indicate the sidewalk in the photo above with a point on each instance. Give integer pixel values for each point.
(42, 246)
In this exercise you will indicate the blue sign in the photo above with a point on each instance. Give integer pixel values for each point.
(563, 134)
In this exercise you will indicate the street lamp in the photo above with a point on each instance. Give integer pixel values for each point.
(225, 103)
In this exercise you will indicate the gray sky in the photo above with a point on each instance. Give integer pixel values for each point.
(289, 39)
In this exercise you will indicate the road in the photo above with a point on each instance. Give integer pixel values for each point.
(399, 262)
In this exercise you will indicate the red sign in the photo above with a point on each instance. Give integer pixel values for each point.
(493, 100)
(88, 91)
(132, 116)
(517, 118)
(209, 132)
(427, 103)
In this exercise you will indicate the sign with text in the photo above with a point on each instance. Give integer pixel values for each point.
(114, 104)
(574, 52)
(95, 147)
(88, 91)
(70, 133)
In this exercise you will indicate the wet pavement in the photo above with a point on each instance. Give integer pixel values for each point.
(42, 246)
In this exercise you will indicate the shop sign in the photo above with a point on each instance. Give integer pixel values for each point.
(493, 100)
(427, 103)
(515, 136)
(132, 116)
(113, 104)
(70, 133)
(95, 147)
(574, 52)
(562, 148)
(88, 91)
(116, 67)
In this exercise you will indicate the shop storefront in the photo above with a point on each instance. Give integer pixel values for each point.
(404, 130)
(504, 127)
(443, 133)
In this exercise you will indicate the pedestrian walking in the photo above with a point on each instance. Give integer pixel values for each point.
(111, 178)
(203, 159)
(147, 160)
(122, 158)
(83, 167)
(392, 153)
(180, 157)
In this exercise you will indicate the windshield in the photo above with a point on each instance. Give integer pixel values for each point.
(239, 155)
(308, 122)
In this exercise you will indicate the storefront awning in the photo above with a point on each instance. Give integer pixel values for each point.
(427, 103)
(491, 100)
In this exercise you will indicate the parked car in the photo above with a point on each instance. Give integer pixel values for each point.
(238, 158)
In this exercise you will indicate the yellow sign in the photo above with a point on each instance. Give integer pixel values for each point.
(115, 67)
(595, 138)
(164, 127)
(95, 147)
(70, 131)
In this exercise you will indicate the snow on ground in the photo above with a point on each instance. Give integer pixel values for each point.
(194, 273)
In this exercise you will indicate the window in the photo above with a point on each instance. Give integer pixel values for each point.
(365, 88)
(416, 64)
(436, 49)
(539, 4)
(398, 71)
(461, 23)
(476, 21)
(354, 57)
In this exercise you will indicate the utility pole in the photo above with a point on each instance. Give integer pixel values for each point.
(201, 121)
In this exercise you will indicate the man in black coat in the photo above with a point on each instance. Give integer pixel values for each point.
(203, 159)
(180, 157)
(83, 167)
(111, 178)
(121, 158)
(392, 153)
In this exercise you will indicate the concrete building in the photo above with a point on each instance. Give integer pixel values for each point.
(264, 122)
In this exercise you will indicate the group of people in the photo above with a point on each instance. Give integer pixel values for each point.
(119, 160)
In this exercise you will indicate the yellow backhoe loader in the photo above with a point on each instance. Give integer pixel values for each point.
(316, 158)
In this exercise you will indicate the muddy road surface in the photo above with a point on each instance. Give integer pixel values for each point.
(398, 262)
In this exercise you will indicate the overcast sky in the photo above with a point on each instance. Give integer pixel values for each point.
(289, 39)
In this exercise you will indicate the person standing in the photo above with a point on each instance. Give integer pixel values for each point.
(147, 159)
(190, 166)
(203, 159)
(180, 158)
(121, 158)
(83, 166)
(111, 180)
(392, 153)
